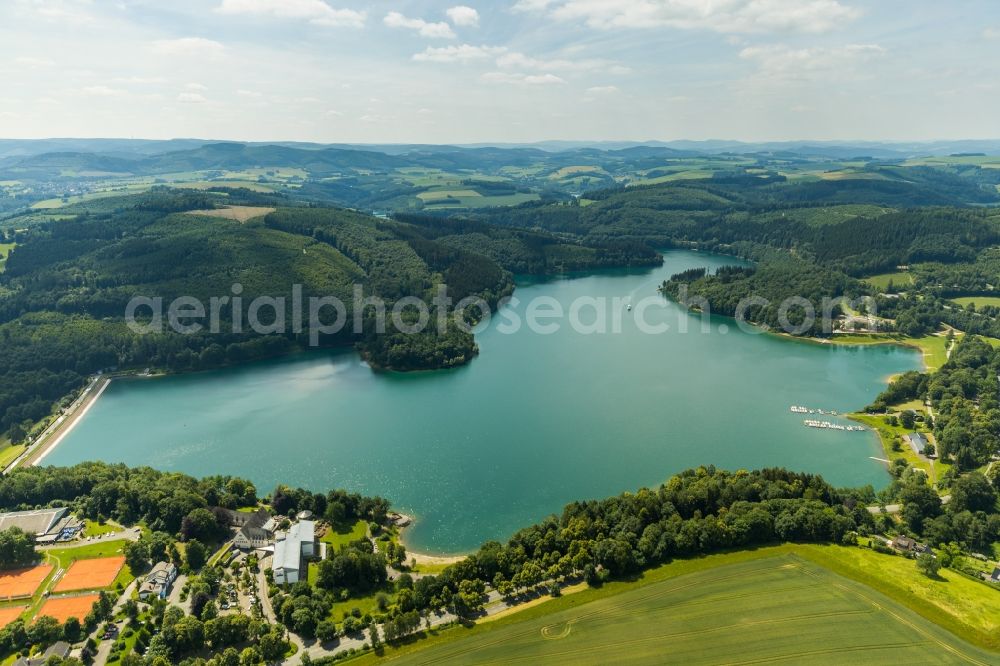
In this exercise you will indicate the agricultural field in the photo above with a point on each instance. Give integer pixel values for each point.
(569, 171)
(782, 608)
(237, 213)
(469, 198)
(435, 195)
(881, 281)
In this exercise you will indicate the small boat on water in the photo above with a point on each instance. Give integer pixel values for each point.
(629, 307)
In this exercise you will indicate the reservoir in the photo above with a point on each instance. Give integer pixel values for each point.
(536, 421)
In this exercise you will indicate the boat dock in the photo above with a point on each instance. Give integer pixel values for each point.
(826, 425)
(797, 409)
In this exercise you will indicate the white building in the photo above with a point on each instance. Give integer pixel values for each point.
(158, 581)
(289, 549)
(252, 538)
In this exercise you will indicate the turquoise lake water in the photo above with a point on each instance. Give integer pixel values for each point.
(536, 421)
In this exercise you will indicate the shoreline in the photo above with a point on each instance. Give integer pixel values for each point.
(63, 425)
(421, 558)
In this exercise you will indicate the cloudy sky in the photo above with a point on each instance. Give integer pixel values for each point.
(504, 70)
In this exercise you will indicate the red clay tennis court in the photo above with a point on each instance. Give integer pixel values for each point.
(22, 582)
(63, 608)
(90, 574)
(9, 614)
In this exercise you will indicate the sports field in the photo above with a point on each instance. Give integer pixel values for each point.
(22, 582)
(777, 609)
(90, 574)
(10, 613)
(62, 608)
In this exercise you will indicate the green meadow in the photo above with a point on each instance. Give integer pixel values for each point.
(978, 301)
(881, 281)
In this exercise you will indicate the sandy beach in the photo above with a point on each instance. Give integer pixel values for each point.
(403, 521)
(63, 425)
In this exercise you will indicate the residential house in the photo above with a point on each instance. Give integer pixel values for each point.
(905, 544)
(60, 649)
(917, 441)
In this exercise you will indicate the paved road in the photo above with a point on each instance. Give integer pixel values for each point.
(104, 649)
(895, 508)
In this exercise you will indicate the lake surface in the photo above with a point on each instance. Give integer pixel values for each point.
(533, 423)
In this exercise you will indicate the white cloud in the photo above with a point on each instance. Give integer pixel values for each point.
(314, 11)
(523, 79)
(725, 16)
(602, 90)
(440, 30)
(138, 79)
(27, 61)
(188, 46)
(249, 93)
(516, 60)
(70, 11)
(461, 53)
(780, 63)
(196, 86)
(191, 98)
(103, 91)
(991, 33)
(531, 5)
(463, 16)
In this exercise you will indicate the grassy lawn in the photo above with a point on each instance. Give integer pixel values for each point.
(366, 604)
(94, 528)
(70, 554)
(978, 301)
(341, 535)
(881, 281)
(886, 434)
(770, 604)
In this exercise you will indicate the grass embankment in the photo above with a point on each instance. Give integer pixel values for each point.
(933, 347)
(783, 602)
(9, 452)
